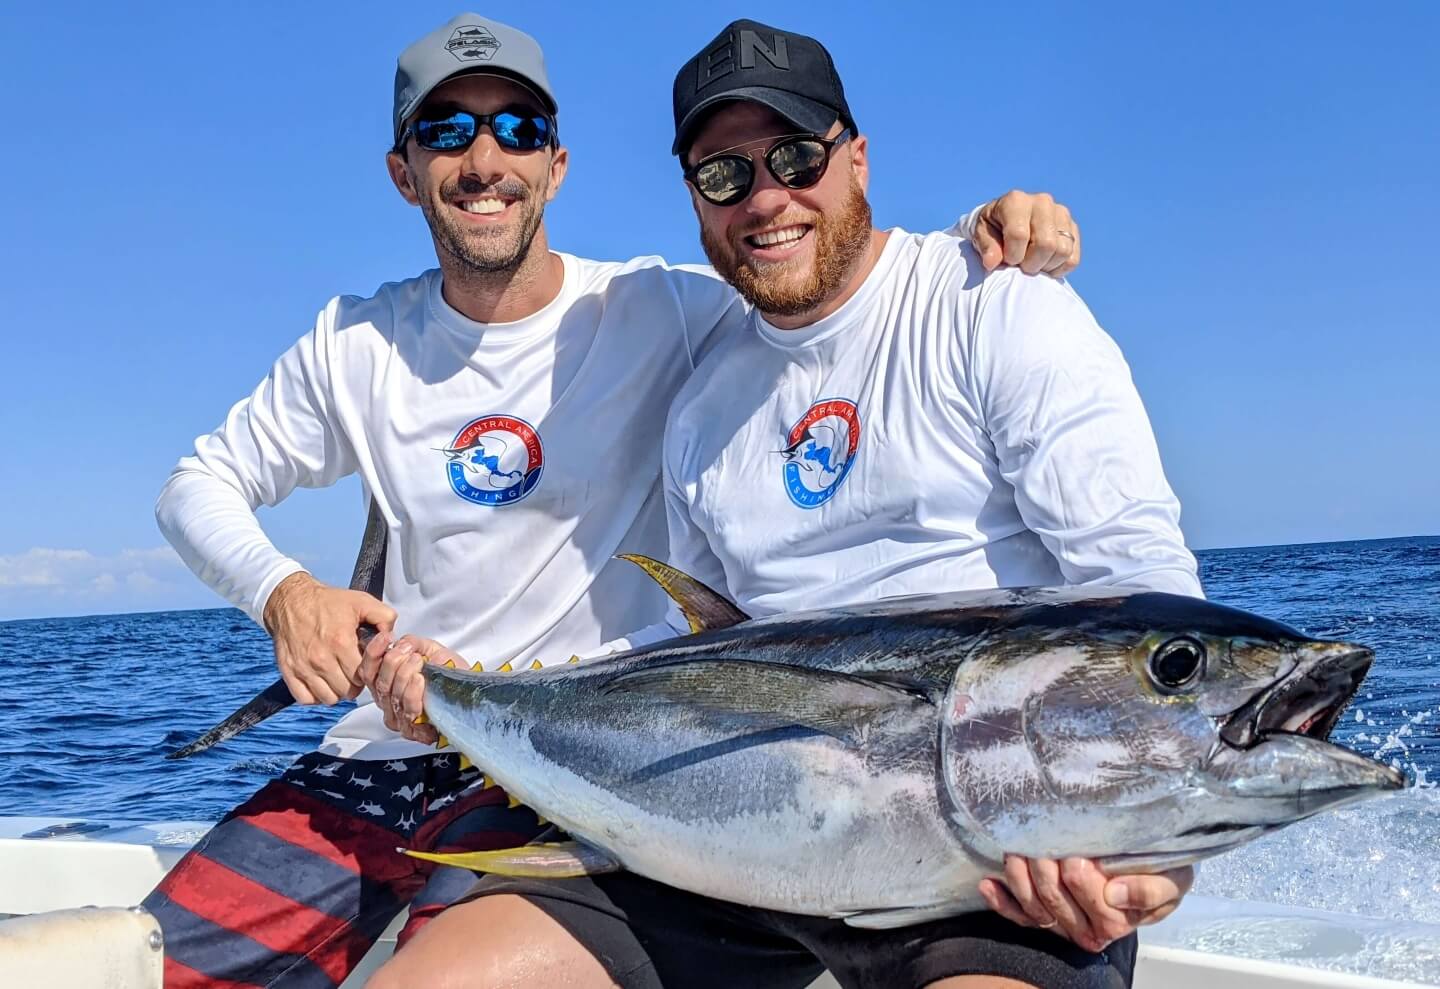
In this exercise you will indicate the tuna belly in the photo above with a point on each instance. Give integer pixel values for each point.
(777, 818)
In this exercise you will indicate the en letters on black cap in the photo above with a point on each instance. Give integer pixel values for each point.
(747, 61)
(721, 58)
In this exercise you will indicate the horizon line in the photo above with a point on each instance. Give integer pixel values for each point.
(230, 607)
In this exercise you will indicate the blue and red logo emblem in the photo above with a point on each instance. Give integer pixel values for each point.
(820, 448)
(494, 460)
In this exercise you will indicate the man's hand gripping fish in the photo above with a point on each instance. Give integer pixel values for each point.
(876, 762)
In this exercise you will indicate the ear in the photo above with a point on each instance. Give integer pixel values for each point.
(399, 170)
(860, 160)
(559, 166)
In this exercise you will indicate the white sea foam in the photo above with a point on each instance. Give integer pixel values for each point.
(1378, 860)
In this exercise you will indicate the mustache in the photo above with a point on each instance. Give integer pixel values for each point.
(512, 189)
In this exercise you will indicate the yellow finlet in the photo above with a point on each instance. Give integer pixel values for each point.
(450, 664)
(507, 668)
(542, 821)
(514, 800)
(442, 742)
(573, 659)
(422, 720)
(486, 783)
(477, 667)
(465, 762)
(537, 665)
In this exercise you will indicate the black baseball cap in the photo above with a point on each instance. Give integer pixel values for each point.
(790, 73)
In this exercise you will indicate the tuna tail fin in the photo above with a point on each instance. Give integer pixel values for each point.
(368, 576)
(703, 607)
(558, 860)
(272, 699)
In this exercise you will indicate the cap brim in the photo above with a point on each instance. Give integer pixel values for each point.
(806, 114)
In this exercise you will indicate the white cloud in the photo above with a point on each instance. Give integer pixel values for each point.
(47, 581)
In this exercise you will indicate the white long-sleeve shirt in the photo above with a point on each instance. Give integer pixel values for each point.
(512, 461)
(944, 430)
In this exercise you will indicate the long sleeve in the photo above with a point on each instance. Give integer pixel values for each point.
(964, 228)
(1072, 437)
(282, 437)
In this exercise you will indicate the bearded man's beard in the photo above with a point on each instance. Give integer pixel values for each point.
(485, 251)
(841, 239)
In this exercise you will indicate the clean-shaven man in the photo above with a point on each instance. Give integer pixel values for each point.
(893, 421)
(505, 414)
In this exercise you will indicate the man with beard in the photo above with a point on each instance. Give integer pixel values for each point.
(504, 413)
(894, 421)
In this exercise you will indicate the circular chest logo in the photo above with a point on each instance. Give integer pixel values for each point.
(819, 450)
(494, 460)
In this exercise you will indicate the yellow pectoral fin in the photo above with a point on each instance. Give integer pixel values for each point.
(560, 860)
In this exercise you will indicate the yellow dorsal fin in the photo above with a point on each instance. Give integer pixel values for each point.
(703, 607)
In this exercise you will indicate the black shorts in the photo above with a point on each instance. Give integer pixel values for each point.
(652, 936)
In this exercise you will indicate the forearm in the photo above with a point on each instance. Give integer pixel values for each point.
(1073, 439)
(214, 529)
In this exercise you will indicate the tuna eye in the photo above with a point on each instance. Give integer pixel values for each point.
(1177, 663)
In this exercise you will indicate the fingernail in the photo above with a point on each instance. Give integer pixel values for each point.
(1117, 895)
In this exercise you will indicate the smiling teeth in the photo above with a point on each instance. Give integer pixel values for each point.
(772, 237)
(483, 206)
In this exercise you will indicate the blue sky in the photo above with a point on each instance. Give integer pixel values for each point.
(184, 187)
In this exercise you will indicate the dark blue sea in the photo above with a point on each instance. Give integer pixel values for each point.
(89, 706)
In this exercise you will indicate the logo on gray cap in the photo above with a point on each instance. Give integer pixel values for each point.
(472, 43)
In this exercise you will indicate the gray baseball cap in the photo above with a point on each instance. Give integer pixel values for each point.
(469, 43)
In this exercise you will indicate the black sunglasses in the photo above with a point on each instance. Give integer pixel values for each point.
(797, 162)
(515, 129)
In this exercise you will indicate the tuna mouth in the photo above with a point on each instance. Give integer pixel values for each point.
(1308, 702)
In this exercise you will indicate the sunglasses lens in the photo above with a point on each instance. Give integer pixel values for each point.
(525, 132)
(725, 180)
(455, 130)
(799, 163)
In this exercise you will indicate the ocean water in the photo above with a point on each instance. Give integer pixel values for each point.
(89, 707)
